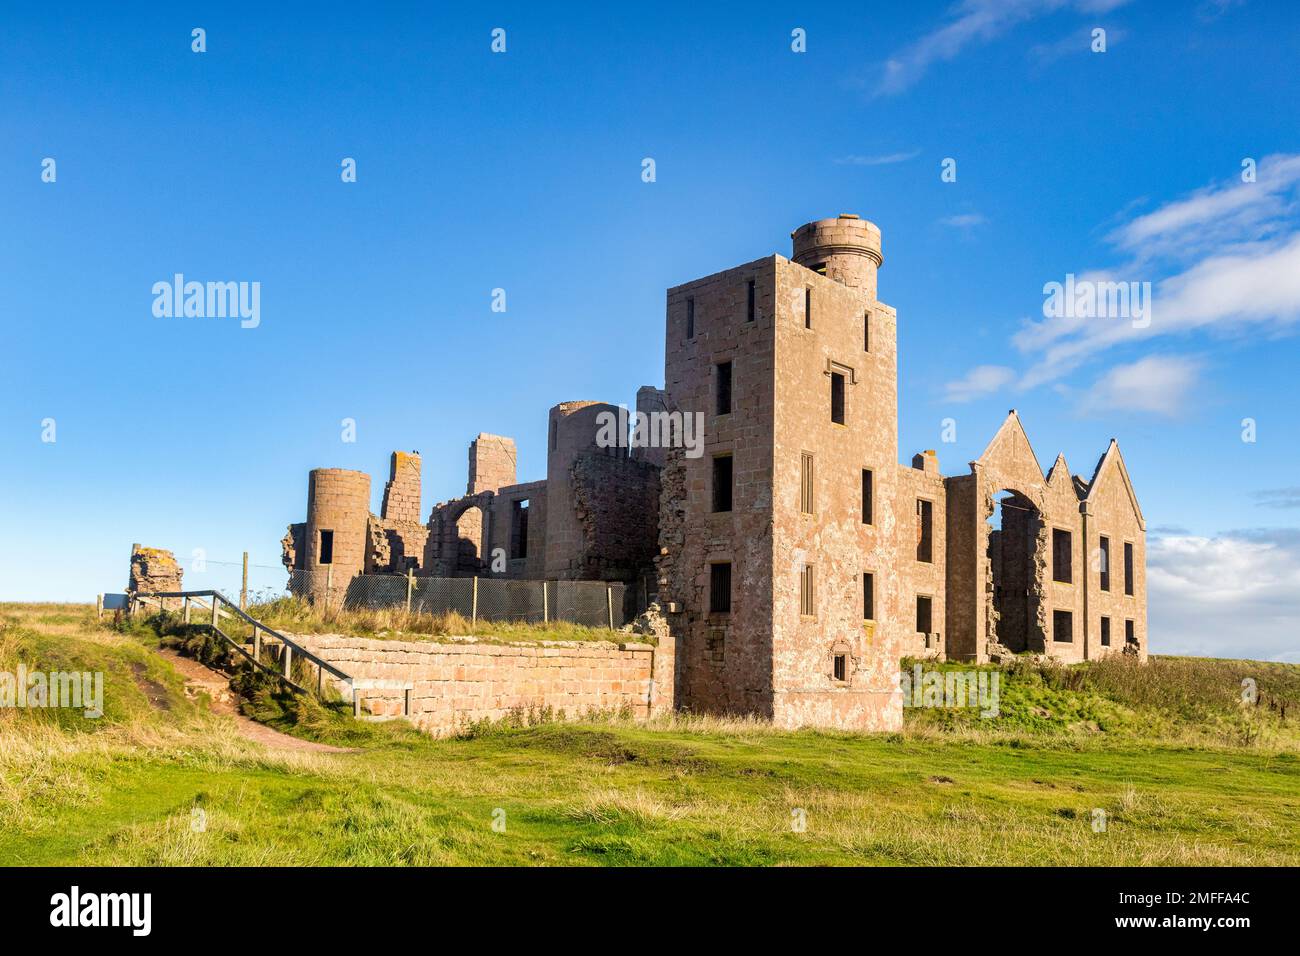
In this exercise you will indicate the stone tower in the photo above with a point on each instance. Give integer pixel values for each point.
(782, 547)
(338, 513)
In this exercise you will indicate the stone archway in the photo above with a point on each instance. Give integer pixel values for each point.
(1017, 562)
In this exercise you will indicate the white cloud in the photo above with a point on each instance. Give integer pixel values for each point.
(980, 381)
(964, 220)
(1233, 595)
(971, 22)
(1157, 384)
(884, 159)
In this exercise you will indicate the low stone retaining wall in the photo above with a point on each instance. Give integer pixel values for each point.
(465, 680)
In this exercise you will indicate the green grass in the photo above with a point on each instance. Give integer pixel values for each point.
(1176, 787)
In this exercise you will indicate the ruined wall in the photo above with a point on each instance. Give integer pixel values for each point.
(492, 463)
(724, 660)
(922, 481)
(616, 502)
(153, 570)
(572, 430)
(533, 564)
(1112, 513)
(456, 683)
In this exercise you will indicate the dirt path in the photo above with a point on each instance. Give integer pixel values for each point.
(217, 686)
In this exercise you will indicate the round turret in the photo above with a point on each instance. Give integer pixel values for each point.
(846, 249)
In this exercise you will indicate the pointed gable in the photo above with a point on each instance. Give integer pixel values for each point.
(1010, 456)
(1111, 468)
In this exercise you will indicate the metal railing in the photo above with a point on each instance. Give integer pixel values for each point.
(259, 636)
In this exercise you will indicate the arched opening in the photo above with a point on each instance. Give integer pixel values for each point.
(1015, 561)
(469, 540)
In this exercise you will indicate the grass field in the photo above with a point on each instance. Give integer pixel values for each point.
(1182, 773)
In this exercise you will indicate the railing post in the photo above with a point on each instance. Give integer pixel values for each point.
(320, 681)
(187, 609)
(257, 643)
(329, 584)
(215, 612)
(410, 586)
(474, 604)
(288, 661)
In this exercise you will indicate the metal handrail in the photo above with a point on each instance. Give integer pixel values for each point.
(216, 596)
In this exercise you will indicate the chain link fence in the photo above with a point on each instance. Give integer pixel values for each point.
(593, 603)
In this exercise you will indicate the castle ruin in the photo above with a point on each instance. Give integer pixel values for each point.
(796, 559)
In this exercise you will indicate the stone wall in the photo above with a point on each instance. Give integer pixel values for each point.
(464, 681)
(616, 501)
(153, 570)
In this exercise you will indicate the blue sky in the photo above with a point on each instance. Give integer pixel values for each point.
(522, 171)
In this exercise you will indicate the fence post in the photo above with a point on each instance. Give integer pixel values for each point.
(215, 612)
(609, 604)
(410, 586)
(329, 584)
(257, 643)
(546, 610)
(474, 604)
(187, 609)
(243, 588)
(99, 607)
(288, 661)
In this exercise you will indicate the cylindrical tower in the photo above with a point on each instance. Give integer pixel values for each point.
(846, 249)
(338, 510)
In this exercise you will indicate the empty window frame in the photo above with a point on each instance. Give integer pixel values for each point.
(867, 491)
(924, 530)
(722, 482)
(807, 595)
(1105, 632)
(868, 596)
(519, 529)
(1063, 627)
(690, 318)
(720, 588)
(840, 667)
(749, 307)
(924, 614)
(326, 547)
(1128, 568)
(722, 388)
(807, 503)
(837, 398)
(807, 307)
(1062, 548)
(1130, 633)
(1104, 558)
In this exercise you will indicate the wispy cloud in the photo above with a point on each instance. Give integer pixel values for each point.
(980, 381)
(1278, 497)
(971, 22)
(963, 220)
(884, 159)
(1157, 384)
(1233, 595)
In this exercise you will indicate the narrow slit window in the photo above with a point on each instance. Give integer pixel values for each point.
(807, 599)
(722, 475)
(924, 530)
(1105, 632)
(807, 307)
(519, 529)
(866, 331)
(690, 318)
(837, 398)
(867, 508)
(326, 547)
(749, 308)
(1128, 569)
(1062, 549)
(1104, 558)
(840, 667)
(924, 614)
(723, 396)
(806, 502)
(868, 596)
(720, 588)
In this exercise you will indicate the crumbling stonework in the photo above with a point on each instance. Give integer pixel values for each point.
(154, 570)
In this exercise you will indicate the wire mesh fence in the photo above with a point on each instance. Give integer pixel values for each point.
(592, 603)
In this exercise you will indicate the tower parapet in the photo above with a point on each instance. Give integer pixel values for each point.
(846, 249)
